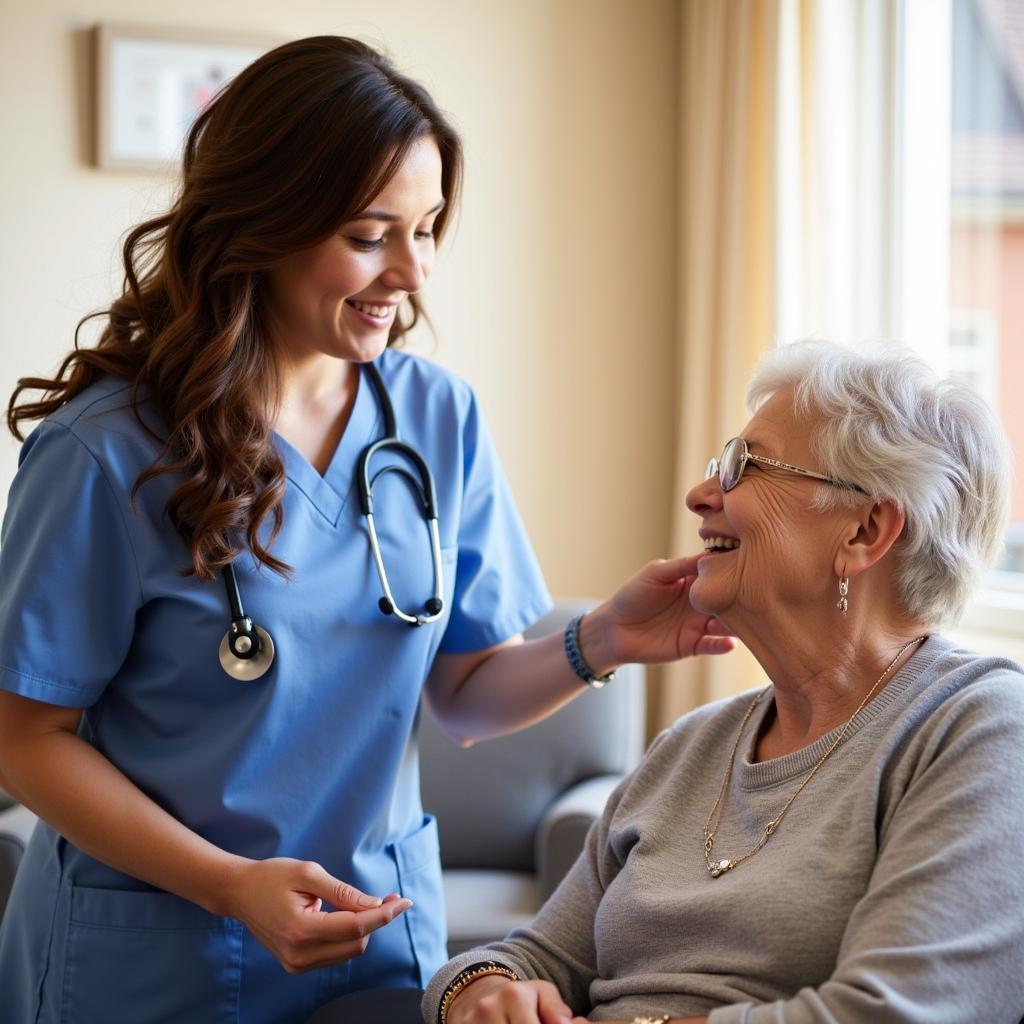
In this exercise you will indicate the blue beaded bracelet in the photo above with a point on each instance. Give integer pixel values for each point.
(575, 656)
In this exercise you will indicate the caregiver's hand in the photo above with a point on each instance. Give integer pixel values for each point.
(497, 1000)
(280, 901)
(650, 619)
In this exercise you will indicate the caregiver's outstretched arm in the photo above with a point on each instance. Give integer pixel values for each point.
(649, 620)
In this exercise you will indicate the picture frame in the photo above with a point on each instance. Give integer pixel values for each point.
(151, 83)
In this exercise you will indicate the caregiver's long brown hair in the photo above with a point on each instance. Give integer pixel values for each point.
(298, 143)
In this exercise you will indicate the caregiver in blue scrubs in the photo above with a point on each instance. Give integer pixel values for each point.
(213, 848)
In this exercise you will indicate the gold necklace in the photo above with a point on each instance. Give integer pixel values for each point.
(719, 867)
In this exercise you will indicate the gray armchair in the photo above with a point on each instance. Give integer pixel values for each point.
(513, 812)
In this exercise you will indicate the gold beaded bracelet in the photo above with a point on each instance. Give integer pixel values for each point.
(663, 1019)
(467, 977)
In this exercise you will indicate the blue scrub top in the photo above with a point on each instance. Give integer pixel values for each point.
(315, 760)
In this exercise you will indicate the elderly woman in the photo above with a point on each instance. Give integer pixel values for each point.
(847, 843)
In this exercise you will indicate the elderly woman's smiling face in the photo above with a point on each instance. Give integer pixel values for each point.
(782, 549)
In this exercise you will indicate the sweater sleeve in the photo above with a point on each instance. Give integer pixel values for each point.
(559, 944)
(939, 933)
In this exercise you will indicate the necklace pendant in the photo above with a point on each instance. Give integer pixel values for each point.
(720, 867)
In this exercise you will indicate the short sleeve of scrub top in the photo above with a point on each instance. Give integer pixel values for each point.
(498, 584)
(70, 586)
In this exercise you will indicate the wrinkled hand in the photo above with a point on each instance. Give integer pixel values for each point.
(649, 619)
(280, 900)
(497, 1000)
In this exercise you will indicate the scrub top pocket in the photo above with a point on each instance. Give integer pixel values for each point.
(133, 956)
(418, 861)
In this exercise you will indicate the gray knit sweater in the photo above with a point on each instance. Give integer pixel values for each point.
(892, 892)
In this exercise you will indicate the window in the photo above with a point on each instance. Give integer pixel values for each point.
(986, 241)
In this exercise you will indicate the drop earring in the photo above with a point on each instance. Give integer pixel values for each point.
(844, 589)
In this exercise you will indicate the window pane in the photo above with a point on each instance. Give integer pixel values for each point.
(986, 316)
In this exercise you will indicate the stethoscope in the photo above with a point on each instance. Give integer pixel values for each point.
(247, 649)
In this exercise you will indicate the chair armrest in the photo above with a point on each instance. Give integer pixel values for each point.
(564, 826)
(16, 824)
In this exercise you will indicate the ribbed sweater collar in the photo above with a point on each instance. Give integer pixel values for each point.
(762, 774)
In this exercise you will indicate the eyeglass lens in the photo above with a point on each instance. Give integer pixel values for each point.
(730, 467)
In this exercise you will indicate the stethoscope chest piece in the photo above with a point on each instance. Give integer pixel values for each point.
(253, 666)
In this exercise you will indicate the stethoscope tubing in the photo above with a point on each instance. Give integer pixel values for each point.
(247, 650)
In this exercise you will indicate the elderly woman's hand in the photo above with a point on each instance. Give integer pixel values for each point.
(496, 1000)
(671, 1020)
(650, 619)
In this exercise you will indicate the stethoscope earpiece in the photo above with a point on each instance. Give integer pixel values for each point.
(433, 607)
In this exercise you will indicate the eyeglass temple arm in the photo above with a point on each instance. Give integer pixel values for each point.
(805, 472)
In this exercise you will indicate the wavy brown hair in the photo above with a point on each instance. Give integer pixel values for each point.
(297, 144)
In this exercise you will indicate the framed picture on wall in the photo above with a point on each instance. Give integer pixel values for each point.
(151, 83)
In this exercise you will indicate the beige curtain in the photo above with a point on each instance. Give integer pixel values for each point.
(862, 147)
(728, 51)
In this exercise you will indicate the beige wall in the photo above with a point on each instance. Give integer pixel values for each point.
(554, 297)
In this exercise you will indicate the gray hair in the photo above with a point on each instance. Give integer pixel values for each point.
(931, 446)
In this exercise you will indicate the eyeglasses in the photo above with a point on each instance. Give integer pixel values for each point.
(735, 456)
